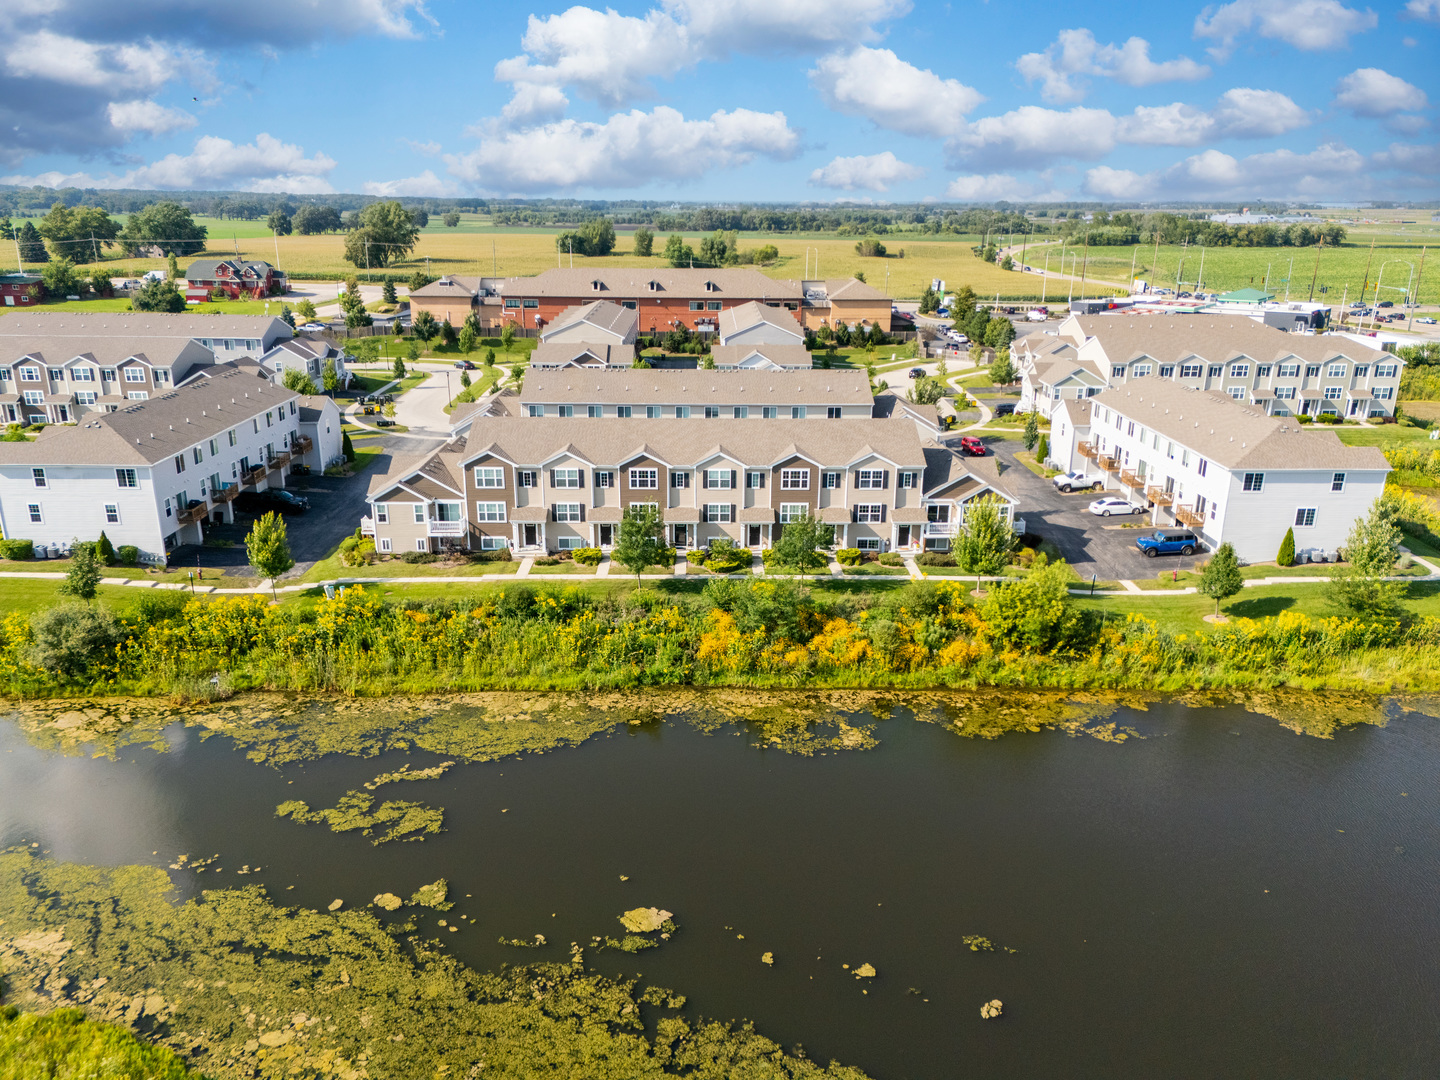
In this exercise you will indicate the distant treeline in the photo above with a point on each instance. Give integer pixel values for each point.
(1125, 229)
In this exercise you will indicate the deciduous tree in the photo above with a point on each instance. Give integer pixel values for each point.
(329, 377)
(1221, 578)
(167, 224)
(644, 242)
(1370, 554)
(82, 580)
(268, 548)
(158, 296)
(279, 222)
(800, 542)
(386, 233)
(986, 540)
(641, 540)
(298, 380)
(59, 277)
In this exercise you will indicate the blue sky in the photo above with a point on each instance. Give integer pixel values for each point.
(729, 100)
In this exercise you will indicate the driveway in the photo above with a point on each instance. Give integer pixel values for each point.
(1092, 545)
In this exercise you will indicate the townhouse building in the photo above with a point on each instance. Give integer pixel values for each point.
(598, 334)
(153, 472)
(1220, 465)
(759, 337)
(307, 355)
(1282, 374)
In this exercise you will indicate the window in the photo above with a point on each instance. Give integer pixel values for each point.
(717, 512)
(83, 374)
(34, 397)
(567, 511)
(712, 412)
(126, 478)
(769, 412)
(1167, 371)
(419, 509)
(682, 412)
(795, 479)
(1305, 517)
(793, 512)
(512, 303)
(867, 543)
(1189, 371)
(492, 543)
(1215, 371)
(1288, 371)
(535, 410)
(29, 374)
(623, 411)
(594, 412)
(36, 518)
(1202, 466)
(489, 477)
(1254, 481)
(644, 478)
(214, 447)
(233, 436)
(1335, 371)
(870, 512)
(56, 374)
(489, 511)
(39, 476)
(382, 514)
(1117, 371)
(525, 479)
(697, 305)
(1239, 371)
(198, 454)
(604, 479)
(909, 479)
(1262, 371)
(755, 479)
(1362, 370)
(830, 479)
(681, 480)
(870, 478)
(565, 478)
(384, 543)
(717, 478)
(108, 374)
(1184, 458)
(712, 305)
(179, 463)
(1384, 393)
(1337, 482)
(1237, 392)
(565, 410)
(1386, 371)
(1285, 393)
(530, 303)
(833, 412)
(742, 412)
(1312, 371)
(1334, 393)
(797, 412)
(1142, 370)
(566, 543)
(652, 412)
(112, 514)
(421, 544)
(134, 374)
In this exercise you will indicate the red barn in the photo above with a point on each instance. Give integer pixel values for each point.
(16, 290)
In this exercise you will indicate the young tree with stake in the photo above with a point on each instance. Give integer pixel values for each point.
(268, 548)
(986, 539)
(1221, 578)
(640, 543)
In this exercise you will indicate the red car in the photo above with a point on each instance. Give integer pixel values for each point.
(969, 444)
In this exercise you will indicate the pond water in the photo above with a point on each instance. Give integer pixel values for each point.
(1219, 897)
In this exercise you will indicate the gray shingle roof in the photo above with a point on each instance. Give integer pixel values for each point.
(785, 356)
(605, 316)
(696, 387)
(1213, 337)
(744, 316)
(629, 282)
(66, 324)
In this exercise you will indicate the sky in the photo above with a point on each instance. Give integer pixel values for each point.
(727, 101)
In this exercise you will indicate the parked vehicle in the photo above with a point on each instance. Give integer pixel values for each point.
(313, 326)
(1037, 315)
(384, 422)
(465, 365)
(917, 373)
(299, 470)
(263, 502)
(1112, 505)
(969, 444)
(1426, 319)
(1169, 542)
(1005, 408)
(1387, 303)
(1076, 481)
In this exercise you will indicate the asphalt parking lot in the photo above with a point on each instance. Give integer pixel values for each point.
(1092, 545)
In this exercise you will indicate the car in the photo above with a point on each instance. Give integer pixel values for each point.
(1076, 481)
(942, 313)
(384, 422)
(313, 326)
(960, 339)
(1112, 505)
(271, 499)
(1387, 303)
(969, 444)
(1036, 315)
(465, 365)
(917, 373)
(1169, 542)
(1005, 408)
(1426, 319)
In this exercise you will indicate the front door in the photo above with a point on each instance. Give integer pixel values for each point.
(532, 535)
(754, 538)
(607, 535)
(902, 536)
(682, 536)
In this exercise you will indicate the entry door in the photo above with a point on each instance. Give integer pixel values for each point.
(607, 533)
(754, 538)
(532, 535)
(682, 536)
(902, 537)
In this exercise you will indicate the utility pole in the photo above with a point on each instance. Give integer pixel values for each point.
(1315, 274)
(1344, 295)
(1134, 255)
(1085, 264)
(1420, 274)
(1200, 277)
(1288, 275)
(1370, 259)
(276, 235)
(494, 263)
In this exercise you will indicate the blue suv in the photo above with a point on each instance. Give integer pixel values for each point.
(1168, 542)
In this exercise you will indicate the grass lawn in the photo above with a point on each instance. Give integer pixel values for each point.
(566, 566)
(1384, 435)
(875, 570)
(480, 382)
(224, 307)
(29, 595)
(176, 575)
(329, 568)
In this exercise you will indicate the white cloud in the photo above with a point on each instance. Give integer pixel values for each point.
(1074, 54)
(1103, 182)
(769, 26)
(1328, 170)
(57, 58)
(427, 183)
(1309, 25)
(627, 150)
(1243, 113)
(981, 187)
(873, 172)
(1407, 157)
(149, 117)
(1031, 135)
(533, 104)
(878, 85)
(429, 149)
(1374, 93)
(1424, 10)
(1166, 125)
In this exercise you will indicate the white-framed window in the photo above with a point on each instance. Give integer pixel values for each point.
(1334, 393)
(797, 412)
(1337, 482)
(489, 476)
(1285, 393)
(712, 412)
(565, 478)
(870, 479)
(652, 412)
(382, 514)
(384, 544)
(1384, 393)
(108, 374)
(794, 479)
(82, 374)
(1117, 371)
(179, 463)
(741, 412)
(1288, 371)
(1253, 481)
(1262, 371)
(38, 518)
(535, 410)
(214, 447)
(112, 514)
(793, 512)
(594, 412)
(1215, 371)
(624, 412)
(567, 511)
(870, 512)
(1237, 392)
(421, 544)
(566, 543)
(493, 543)
(644, 478)
(1362, 371)
(126, 478)
(134, 374)
(1141, 370)
(525, 478)
(754, 479)
(1312, 371)
(717, 478)
(604, 478)
(909, 480)
(198, 454)
(1386, 371)
(1201, 466)
(830, 479)
(38, 475)
(868, 543)
(717, 512)
(1305, 517)
(565, 410)
(679, 479)
(769, 412)
(489, 511)
(34, 397)
(29, 374)
(1190, 371)
(682, 412)
(138, 395)
(834, 412)
(1239, 371)
(233, 436)
(419, 509)
(1335, 371)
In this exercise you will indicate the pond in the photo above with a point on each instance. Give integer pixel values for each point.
(1214, 895)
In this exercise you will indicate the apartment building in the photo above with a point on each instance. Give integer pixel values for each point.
(599, 334)
(153, 472)
(307, 355)
(1223, 466)
(1282, 374)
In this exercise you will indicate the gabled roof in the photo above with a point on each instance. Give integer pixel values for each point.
(631, 282)
(761, 356)
(695, 387)
(555, 354)
(950, 476)
(151, 324)
(735, 320)
(451, 286)
(209, 268)
(1211, 337)
(852, 289)
(606, 318)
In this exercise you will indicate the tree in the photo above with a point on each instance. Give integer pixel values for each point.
(1002, 371)
(268, 548)
(305, 309)
(1286, 556)
(83, 227)
(451, 219)
(927, 391)
(641, 540)
(465, 379)
(347, 447)
(59, 277)
(82, 580)
(678, 252)
(68, 638)
(999, 332)
(424, 326)
(413, 350)
(964, 306)
(644, 242)
(1007, 263)
(329, 377)
(167, 224)
(365, 350)
(386, 233)
(158, 296)
(311, 220)
(1034, 613)
(399, 371)
(766, 254)
(800, 541)
(929, 301)
(1032, 429)
(467, 340)
(860, 276)
(473, 322)
(32, 248)
(870, 248)
(1221, 577)
(298, 380)
(287, 316)
(419, 280)
(517, 375)
(1043, 450)
(507, 336)
(387, 292)
(420, 217)
(279, 222)
(1370, 552)
(172, 268)
(358, 316)
(599, 234)
(986, 540)
(105, 550)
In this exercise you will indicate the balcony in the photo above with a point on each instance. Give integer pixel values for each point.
(1189, 516)
(941, 528)
(367, 526)
(279, 461)
(444, 528)
(224, 494)
(304, 444)
(1110, 464)
(193, 513)
(1160, 497)
(1088, 450)
(1130, 480)
(253, 476)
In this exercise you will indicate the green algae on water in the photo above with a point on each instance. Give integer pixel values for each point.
(406, 773)
(433, 896)
(394, 820)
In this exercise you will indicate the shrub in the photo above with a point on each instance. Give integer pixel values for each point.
(548, 560)
(105, 549)
(935, 558)
(891, 558)
(1286, 557)
(128, 554)
(495, 555)
(17, 549)
(587, 556)
(1300, 418)
(848, 556)
(419, 557)
(69, 637)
